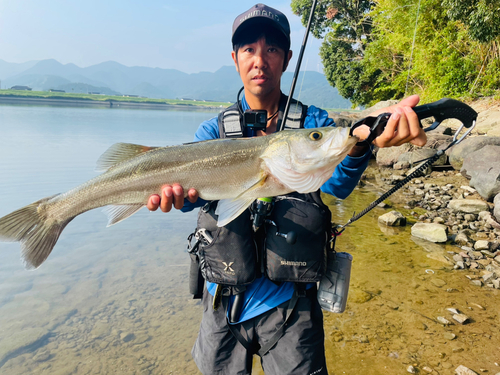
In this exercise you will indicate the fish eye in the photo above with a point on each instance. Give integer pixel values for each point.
(315, 136)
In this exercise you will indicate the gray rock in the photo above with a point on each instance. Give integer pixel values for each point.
(393, 218)
(488, 121)
(482, 245)
(411, 369)
(473, 206)
(483, 215)
(457, 154)
(419, 154)
(461, 318)
(461, 239)
(389, 155)
(430, 232)
(419, 192)
(443, 320)
(496, 210)
(488, 276)
(468, 189)
(476, 282)
(462, 370)
(470, 217)
(449, 336)
(401, 165)
(482, 167)
(396, 178)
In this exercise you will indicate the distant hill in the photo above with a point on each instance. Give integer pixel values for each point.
(113, 78)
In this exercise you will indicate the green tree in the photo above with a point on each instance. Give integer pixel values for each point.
(345, 26)
(481, 17)
(393, 48)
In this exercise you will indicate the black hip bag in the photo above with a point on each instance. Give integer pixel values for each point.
(291, 246)
(302, 259)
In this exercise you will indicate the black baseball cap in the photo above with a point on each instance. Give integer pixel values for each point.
(261, 13)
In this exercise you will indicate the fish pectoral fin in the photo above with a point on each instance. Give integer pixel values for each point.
(119, 152)
(117, 213)
(229, 209)
(259, 183)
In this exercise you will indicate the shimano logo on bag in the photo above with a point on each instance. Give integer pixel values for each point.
(292, 263)
(228, 269)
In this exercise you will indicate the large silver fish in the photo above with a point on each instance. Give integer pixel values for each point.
(234, 171)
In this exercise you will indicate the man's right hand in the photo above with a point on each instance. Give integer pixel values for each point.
(171, 195)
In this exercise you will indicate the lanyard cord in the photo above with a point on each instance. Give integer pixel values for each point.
(416, 173)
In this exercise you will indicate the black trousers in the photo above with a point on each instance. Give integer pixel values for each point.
(300, 351)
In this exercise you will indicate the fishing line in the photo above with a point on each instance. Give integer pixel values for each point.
(412, 47)
(297, 67)
(301, 84)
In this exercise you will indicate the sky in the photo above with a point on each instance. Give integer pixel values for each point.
(189, 35)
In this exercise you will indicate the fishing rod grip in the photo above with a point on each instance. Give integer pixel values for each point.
(441, 110)
(444, 109)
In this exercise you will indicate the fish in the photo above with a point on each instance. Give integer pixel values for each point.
(234, 172)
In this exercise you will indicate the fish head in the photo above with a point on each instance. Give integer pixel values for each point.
(304, 159)
(311, 149)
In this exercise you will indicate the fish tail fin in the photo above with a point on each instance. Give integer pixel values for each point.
(31, 228)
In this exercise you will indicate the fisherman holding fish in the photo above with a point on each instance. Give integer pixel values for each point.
(279, 320)
(263, 234)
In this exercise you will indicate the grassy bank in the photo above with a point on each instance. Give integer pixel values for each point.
(106, 98)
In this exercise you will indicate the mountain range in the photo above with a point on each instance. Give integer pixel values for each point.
(112, 78)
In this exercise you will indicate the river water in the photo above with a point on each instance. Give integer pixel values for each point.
(115, 300)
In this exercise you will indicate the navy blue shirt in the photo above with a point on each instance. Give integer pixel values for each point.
(263, 295)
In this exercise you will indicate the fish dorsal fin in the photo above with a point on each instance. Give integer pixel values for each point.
(229, 209)
(120, 152)
(117, 213)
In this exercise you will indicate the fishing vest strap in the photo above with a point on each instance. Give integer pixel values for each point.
(231, 122)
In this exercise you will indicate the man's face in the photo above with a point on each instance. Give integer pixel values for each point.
(260, 66)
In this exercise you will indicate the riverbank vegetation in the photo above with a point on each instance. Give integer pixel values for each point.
(108, 98)
(388, 49)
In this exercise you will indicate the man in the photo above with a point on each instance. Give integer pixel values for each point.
(288, 336)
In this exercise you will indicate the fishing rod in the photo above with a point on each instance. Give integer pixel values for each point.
(441, 110)
(297, 67)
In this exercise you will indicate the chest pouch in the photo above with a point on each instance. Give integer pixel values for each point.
(227, 255)
(297, 236)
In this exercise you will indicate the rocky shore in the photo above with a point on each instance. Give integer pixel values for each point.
(455, 201)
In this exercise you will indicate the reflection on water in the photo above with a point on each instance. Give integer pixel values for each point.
(115, 300)
(108, 300)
